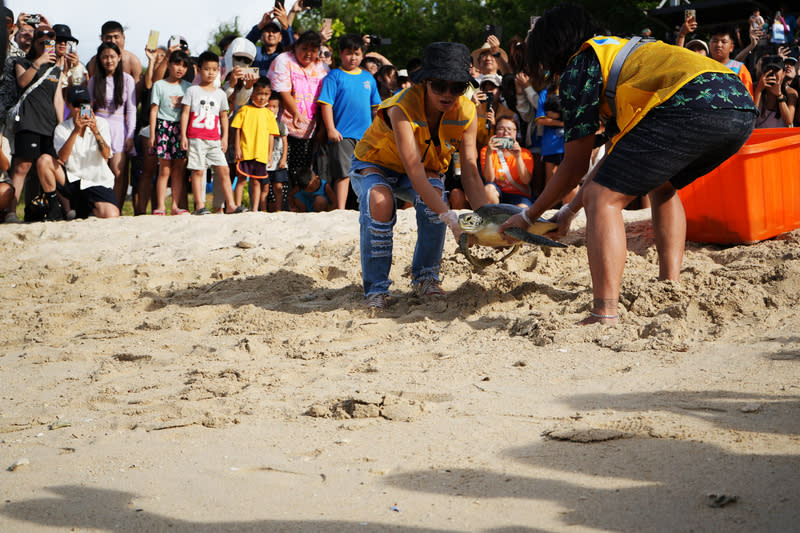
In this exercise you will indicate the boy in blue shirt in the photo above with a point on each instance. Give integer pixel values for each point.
(349, 98)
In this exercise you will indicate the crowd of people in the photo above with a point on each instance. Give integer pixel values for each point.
(182, 121)
(523, 124)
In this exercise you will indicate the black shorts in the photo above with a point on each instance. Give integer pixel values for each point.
(83, 201)
(29, 145)
(675, 145)
(554, 159)
(333, 160)
(280, 175)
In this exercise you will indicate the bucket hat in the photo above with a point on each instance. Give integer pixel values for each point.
(443, 61)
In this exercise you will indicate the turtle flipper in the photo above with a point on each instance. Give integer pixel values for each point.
(463, 246)
(519, 233)
(509, 254)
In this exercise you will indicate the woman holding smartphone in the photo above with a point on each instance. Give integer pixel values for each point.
(42, 108)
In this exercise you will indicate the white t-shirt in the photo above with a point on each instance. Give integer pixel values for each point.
(85, 162)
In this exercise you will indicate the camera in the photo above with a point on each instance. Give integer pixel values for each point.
(34, 19)
(377, 40)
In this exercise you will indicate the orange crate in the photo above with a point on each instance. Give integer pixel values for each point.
(752, 196)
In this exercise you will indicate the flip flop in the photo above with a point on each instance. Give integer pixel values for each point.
(159, 212)
(180, 212)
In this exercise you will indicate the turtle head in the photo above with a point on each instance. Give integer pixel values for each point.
(470, 222)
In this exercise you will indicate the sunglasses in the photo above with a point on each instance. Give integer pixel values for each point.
(455, 88)
(325, 53)
(45, 34)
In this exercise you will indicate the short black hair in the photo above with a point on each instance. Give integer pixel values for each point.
(207, 57)
(730, 31)
(414, 63)
(555, 38)
(351, 42)
(275, 95)
(309, 37)
(179, 56)
(369, 59)
(226, 41)
(552, 102)
(111, 25)
(262, 82)
(304, 177)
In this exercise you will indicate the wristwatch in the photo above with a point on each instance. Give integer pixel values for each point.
(781, 98)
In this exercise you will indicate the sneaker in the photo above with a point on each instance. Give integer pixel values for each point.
(202, 211)
(55, 211)
(429, 288)
(11, 218)
(376, 301)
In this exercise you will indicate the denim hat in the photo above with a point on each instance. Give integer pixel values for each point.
(443, 61)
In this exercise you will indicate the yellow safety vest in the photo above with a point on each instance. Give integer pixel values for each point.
(651, 75)
(378, 143)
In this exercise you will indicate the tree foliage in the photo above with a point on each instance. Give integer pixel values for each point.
(412, 24)
(224, 29)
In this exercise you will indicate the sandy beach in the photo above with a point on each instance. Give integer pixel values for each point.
(220, 373)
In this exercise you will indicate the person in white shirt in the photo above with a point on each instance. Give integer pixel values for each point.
(81, 173)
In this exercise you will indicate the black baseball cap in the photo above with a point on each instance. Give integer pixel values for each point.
(78, 94)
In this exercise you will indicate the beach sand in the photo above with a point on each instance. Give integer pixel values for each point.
(221, 373)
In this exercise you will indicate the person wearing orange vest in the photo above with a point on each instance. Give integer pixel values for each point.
(721, 47)
(672, 116)
(404, 154)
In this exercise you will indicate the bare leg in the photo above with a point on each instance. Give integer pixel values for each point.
(222, 173)
(606, 247)
(669, 225)
(118, 164)
(177, 184)
(198, 188)
(458, 200)
(105, 210)
(255, 194)
(18, 172)
(238, 192)
(492, 195)
(342, 190)
(164, 172)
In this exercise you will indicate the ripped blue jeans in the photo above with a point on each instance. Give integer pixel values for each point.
(377, 237)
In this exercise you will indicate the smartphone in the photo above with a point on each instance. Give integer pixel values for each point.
(255, 71)
(34, 19)
(310, 4)
(278, 3)
(71, 48)
(50, 47)
(173, 40)
(327, 24)
(152, 40)
(507, 143)
(690, 14)
(86, 110)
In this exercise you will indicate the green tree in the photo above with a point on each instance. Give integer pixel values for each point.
(223, 30)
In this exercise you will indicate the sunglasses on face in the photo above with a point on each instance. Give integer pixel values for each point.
(455, 88)
(45, 34)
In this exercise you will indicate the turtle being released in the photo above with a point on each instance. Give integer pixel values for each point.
(484, 223)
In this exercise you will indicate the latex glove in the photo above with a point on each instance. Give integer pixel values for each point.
(564, 217)
(451, 219)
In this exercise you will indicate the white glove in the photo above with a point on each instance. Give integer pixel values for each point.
(564, 217)
(451, 219)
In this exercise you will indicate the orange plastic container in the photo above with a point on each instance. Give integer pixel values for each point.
(752, 196)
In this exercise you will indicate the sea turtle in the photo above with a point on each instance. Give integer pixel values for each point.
(483, 224)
